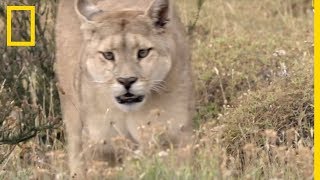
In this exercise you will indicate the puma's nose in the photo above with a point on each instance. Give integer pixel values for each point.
(127, 82)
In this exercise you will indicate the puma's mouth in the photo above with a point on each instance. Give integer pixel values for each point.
(129, 98)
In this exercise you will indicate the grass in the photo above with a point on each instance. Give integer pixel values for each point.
(253, 64)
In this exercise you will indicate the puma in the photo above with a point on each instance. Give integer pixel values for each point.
(121, 65)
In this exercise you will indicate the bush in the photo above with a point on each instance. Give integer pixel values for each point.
(28, 97)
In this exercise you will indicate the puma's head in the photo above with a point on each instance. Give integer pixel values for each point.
(127, 52)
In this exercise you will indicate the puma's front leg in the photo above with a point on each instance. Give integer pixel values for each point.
(74, 138)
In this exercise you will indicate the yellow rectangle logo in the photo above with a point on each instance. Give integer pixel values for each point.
(32, 41)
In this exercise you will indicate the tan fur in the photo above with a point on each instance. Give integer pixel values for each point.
(87, 82)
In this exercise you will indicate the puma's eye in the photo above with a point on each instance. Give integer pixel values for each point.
(142, 53)
(108, 55)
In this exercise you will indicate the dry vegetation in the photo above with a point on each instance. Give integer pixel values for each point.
(253, 63)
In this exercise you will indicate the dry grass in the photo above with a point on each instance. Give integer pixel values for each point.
(253, 63)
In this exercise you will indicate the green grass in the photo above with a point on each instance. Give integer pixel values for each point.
(253, 65)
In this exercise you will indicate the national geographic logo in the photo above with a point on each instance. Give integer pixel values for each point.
(32, 41)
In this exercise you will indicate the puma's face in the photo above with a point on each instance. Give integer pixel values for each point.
(128, 53)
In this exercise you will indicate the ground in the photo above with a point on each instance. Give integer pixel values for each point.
(253, 66)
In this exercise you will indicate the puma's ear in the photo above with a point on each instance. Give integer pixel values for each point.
(86, 9)
(159, 12)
